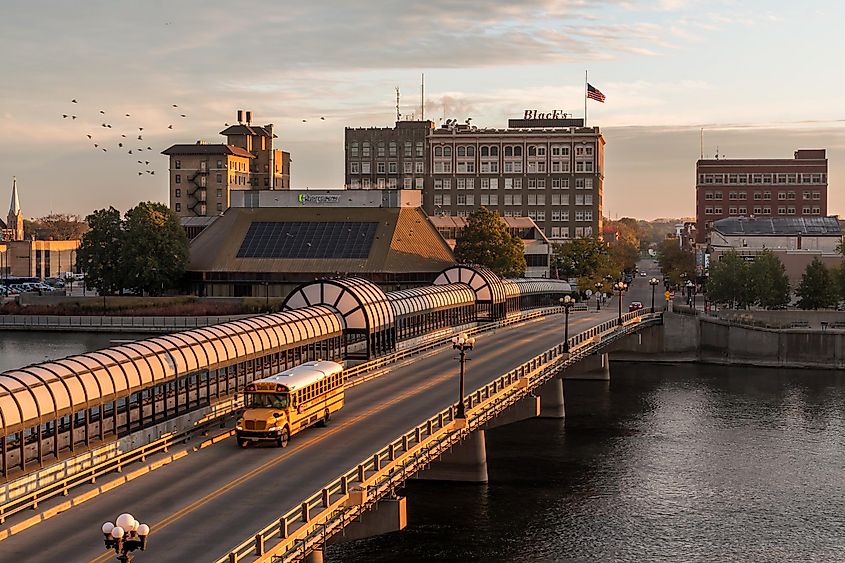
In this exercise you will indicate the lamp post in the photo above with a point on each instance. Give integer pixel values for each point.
(690, 286)
(266, 296)
(599, 287)
(653, 283)
(462, 342)
(620, 286)
(125, 536)
(567, 302)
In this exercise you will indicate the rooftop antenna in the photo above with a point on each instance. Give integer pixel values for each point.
(422, 98)
(717, 152)
(398, 115)
(701, 143)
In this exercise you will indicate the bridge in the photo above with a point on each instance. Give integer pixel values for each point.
(211, 501)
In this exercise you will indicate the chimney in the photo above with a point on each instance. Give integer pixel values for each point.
(240, 116)
(248, 117)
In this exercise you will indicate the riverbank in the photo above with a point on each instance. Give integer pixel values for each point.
(727, 341)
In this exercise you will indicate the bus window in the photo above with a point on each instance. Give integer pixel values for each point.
(266, 400)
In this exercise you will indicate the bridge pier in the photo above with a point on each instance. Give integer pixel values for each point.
(595, 367)
(551, 399)
(465, 462)
(388, 515)
(526, 408)
(316, 556)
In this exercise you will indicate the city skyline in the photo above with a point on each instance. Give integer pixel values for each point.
(668, 69)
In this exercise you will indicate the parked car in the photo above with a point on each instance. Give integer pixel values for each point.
(643, 274)
(635, 306)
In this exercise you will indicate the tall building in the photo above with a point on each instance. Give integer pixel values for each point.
(202, 176)
(766, 188)
(387, 158)
(544, 167)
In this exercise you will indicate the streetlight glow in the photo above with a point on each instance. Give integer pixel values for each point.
(125, 536)
(653, 283)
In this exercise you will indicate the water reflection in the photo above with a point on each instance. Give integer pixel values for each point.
(21, 348)
(670, 463)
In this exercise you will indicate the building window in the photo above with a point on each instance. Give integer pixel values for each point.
(178, 207)
(381, 149)
(790, 211)
(380, 168)
(365, 149)
(420, 150)
(391, 168)
(758, 210)
(708, 211)
(781, 210)
(579, 183)
(767, 211)
(354, 167)
(177, 164)
(219, 207)
(781, 196)
(805, 211)
(365, 168)
(178, 179)
(353, 149)
(817, 211)
(408, 167)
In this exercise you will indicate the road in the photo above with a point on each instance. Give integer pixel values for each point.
(202, 505)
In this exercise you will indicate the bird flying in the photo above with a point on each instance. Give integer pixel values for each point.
(140, 138)
(89, 136)
(73, 116)
(101, 111)
(174, 105)
(127, 115)
(74, 101)
(64, 116)
(323, 118)
(182, 115)
(120, 145)
(170, 127)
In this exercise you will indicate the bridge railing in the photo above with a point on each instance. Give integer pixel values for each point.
(326, 512)
(116, 322)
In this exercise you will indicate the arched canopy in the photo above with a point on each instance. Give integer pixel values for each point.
(47, 391)
(362, 304)
(430, 298)
(488, 287)
(539, 286)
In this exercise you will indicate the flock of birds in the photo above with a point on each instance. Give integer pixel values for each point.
(129, 142)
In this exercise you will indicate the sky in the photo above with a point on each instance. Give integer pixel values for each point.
(759, 77)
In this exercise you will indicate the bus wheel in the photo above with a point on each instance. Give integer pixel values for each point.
(282, 440)
(242, 443)
(326, 416)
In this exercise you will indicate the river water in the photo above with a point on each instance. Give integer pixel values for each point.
(666, 463)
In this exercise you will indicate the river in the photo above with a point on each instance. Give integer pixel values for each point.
(665, 463)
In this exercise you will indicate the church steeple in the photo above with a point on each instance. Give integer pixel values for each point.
(15, 218)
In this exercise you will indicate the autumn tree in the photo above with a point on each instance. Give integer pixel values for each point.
(485, 241)
(675, 263)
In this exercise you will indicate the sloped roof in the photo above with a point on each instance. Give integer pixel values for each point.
(404, 241)
(207, 149)
(245, 130)
(761, 226)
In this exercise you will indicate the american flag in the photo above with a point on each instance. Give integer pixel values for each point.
(594, 93)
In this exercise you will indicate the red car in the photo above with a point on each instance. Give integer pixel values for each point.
(635, 306)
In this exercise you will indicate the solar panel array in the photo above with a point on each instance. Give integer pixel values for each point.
(299, 239)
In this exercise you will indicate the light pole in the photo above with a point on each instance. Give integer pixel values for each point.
(462, 342)
(690, 286)
(620, 286)
(653, 283)
(266, 296)
(125, 536)
(599, 287)
(567, 301)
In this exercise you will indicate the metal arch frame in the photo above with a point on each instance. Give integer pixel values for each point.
(491, 290)
(369, 299)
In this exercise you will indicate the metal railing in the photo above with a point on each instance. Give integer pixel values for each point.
(355, 376)
(327, 511)
(97, 321)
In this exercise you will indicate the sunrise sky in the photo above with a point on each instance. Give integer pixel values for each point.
(761, 78)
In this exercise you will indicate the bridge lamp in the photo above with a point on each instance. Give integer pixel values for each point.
(690, 295)
(125, 536)
(653, 283)
(462, 343)
(620, 286)
(567, 302)
(599, 286)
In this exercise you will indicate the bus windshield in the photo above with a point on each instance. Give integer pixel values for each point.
(266, 400)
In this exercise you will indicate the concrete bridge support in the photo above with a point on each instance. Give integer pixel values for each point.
(551, 400)
(465, 462)
(315, 556)
(526, 408)
(595, 367)
(388, 515)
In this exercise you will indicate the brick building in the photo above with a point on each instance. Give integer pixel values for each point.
(766, 188)
(387, 157)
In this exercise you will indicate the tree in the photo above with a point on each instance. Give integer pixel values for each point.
(624, 255)
(729, 281)
(485, 241)
(675, 263)
(769, 282)
(817, 289)
(155, 250)
(580, 257)
(59, 226)
(100, 254)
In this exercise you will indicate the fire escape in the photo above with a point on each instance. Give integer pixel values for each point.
(197, 195)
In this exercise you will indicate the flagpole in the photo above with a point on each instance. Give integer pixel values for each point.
(585, 98)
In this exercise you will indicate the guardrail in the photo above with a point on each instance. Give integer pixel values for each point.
(355, 376)
(311, 522)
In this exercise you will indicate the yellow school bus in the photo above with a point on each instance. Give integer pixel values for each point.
(279, 406)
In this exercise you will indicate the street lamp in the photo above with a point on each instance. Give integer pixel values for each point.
(266, 295)
(125, 536)
(567, 301)
(463, 343)
(690, 286)
(653, 283)
(620, 286)
(599, 287)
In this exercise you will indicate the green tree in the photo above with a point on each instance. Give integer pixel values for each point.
(100, 254)
(769, 282)
(580, 257)
(817, 289)
(675, 263)
(729, 281)
(485, 241)
(59, 226)
(624, 255)
(155, 250)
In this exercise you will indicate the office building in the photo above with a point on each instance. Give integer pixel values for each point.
(203, 176)
(765, 188)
